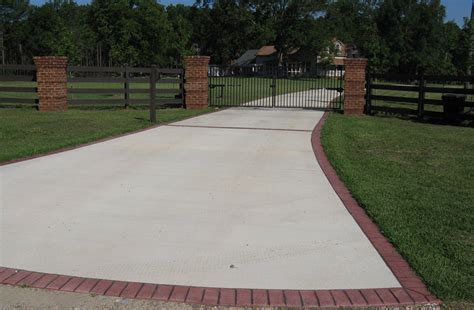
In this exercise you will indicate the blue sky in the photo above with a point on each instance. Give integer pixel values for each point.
(456, 9)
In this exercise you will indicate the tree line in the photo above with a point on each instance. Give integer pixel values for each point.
(401, 36)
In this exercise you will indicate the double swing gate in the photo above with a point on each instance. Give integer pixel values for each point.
(318, 87)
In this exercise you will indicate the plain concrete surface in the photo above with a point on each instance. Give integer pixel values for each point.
(180, 205)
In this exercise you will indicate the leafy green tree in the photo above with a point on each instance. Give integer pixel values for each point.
(13, 33)
(289, 21)
(180, 44)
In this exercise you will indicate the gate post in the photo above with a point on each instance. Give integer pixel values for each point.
(196, 85)
(354, 85)
(51, 76)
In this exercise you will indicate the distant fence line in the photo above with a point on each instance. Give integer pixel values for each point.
(405, 94)
(127, 86)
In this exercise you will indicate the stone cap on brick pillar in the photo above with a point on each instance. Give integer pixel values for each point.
(51, 61)
(362, 62)
(197, 60)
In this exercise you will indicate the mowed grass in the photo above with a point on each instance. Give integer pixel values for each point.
(27, 132)
(417, 182)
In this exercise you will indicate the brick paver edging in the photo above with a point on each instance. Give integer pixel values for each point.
(410, 282)
(412, 292)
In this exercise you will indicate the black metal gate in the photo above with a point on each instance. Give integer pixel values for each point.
(291, 86)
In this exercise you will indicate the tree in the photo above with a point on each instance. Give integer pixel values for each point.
(13, 16)
(289, 21)
(182, 29)
(412, 31)
(230, 29)
(134, 32)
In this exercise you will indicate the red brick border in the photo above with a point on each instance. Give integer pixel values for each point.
(412, 292)
(410, 282)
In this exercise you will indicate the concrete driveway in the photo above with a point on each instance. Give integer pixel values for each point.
(230, 199)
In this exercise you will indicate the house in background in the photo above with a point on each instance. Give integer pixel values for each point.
(297, 61)
(248, 59)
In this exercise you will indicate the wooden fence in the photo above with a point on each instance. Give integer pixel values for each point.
(92, 86)
(18, 85)
(420, 95)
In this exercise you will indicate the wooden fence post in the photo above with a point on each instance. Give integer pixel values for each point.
(153, 94)
(421, 97)
(126, 86)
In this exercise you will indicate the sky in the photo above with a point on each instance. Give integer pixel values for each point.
(455, 9)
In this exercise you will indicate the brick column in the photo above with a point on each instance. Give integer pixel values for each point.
(354, 85)
(197, 84)
(51, 76)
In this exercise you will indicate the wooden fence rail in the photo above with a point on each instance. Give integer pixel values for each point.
(127, 86)
(411, 94)
(18, 85)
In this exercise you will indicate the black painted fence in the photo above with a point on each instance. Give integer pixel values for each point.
(420, 95)
(99, 86)
(18, 85)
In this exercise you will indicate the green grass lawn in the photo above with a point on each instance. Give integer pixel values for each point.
(417, 182)
(26, 132)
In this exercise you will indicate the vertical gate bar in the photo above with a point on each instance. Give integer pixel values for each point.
(181, 87)
(321, 86)
(273, 70)
(300, 89)
(247, 84)
(333, 87)
(211, 80)
(327, 81)
(274, 91)
(318, 86)
(368, 100)
(330, 85)
(308, 89)
(343, 86)
(266, 81)
(268, 90)
(339, 87)
(126, 86)
(153, 94)
(228, 84)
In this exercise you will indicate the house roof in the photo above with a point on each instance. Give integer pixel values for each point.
(246, 58)
(269, 50)
(266, 50)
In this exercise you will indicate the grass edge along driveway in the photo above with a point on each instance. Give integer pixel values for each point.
(416, 181)
(27, 132)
